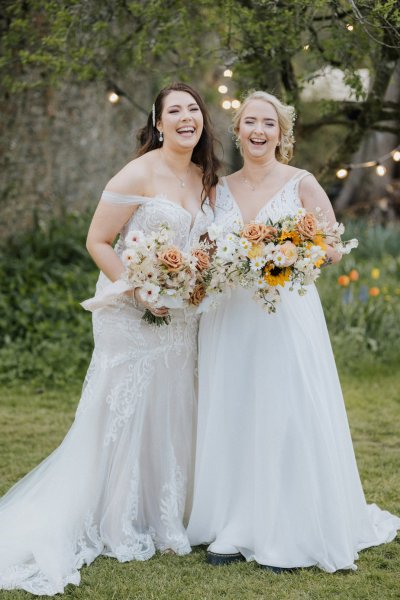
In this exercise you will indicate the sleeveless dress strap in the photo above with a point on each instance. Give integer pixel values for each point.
(300, 175)
(122, 199)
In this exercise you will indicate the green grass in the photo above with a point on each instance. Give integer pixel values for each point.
(35, 421)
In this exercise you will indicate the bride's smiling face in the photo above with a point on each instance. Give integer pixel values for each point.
(181, 120)
(259, 130)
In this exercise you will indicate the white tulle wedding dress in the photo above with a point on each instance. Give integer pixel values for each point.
(119, 484)
(275, 474)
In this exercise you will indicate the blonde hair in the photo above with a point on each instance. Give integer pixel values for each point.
(286, 117)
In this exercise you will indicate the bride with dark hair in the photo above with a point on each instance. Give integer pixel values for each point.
(119, 484)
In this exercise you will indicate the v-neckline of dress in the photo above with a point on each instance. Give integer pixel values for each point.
(264, 205)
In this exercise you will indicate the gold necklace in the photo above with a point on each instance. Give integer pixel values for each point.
(253, 186)
(181, 179)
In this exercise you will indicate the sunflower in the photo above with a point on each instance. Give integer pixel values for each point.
(276, 276)
(319, 240)
(293, 236)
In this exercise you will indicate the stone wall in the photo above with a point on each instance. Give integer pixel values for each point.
(58, 149)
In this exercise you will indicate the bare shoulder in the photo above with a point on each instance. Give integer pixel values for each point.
(133, 178)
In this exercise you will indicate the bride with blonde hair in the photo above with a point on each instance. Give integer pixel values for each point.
(276, 479)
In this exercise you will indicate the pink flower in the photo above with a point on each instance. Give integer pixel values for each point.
(290, 253)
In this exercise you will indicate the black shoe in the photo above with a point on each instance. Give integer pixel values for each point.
(277, 570)
(216, 559)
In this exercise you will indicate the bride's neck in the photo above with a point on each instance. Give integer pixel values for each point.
(179, 160)
(257, 168)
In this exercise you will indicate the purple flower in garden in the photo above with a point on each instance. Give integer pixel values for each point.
(363, 295)
(347, 297)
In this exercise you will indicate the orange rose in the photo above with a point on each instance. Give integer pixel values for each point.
(307, 226)
(203, 260)
(257, 232)
(198, 294)
(270, 233)
(172, 258)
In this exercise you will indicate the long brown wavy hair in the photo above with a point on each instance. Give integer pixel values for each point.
(203, 153)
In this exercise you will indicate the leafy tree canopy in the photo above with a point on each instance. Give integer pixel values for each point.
(271, 44)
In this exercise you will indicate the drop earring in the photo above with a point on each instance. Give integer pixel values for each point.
(161, 137)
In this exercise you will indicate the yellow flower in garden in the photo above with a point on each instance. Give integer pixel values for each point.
(375, 273)
(343, 280)
(256, 251)
(374, 291)
(276, 277)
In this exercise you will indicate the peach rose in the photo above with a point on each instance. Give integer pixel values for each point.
(290, 253)
(172, 258)
(203, 260)
(307, 226)
(198, 294)
(257, 232)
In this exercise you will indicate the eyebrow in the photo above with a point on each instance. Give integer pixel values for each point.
(180, 106)
(265, 118)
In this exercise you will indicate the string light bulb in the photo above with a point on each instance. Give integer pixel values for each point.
(227, 104)
(306, 47)
(236, 104)
(349, 27)
(113, 97)
(228, 73)
(342, 173)
(222, 89)
(380, 170)
(396, 156)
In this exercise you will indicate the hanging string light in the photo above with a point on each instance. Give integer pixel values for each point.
(113, 97)
(396, 156)
(380, 169)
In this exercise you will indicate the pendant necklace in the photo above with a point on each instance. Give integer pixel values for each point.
(181, 180)
(253, 186)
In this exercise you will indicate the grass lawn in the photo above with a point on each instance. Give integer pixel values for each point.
(33, 422)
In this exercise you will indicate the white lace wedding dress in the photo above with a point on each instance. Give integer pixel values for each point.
(119, 484)
(276, 475)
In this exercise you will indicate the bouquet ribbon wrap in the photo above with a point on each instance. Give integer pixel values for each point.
(107, 295)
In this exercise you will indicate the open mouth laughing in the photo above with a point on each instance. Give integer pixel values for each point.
(186, 131)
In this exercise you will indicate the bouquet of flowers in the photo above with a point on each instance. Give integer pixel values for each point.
(165, 275)
(263, 256)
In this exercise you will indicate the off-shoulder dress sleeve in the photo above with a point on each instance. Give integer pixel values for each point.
(119, 287)
(122, 199)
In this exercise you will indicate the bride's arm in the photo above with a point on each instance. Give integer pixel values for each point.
(313, 196)
(109, 218)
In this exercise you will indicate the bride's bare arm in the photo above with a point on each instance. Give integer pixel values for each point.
(313, 196)
(109, 218)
